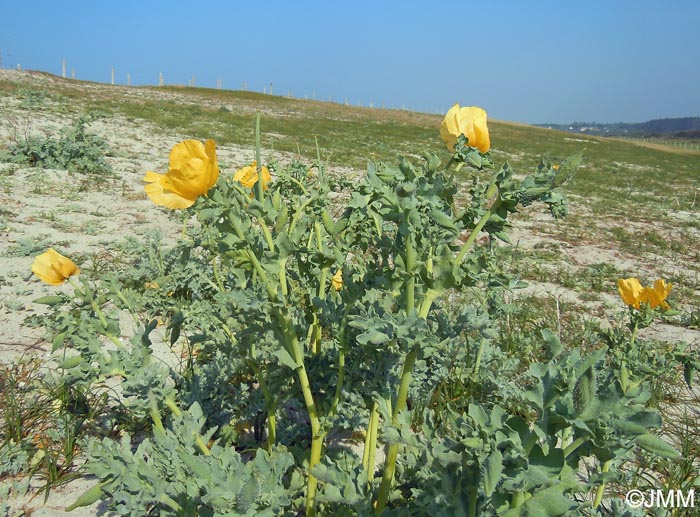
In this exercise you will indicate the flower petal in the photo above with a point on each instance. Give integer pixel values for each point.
(468, 121)
(161, 196)
(481, 130)
(193, 171)
(658, 294)
(630, 291)
(248, 176)
(53, 268)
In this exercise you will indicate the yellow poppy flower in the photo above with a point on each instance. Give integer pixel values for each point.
(192, 172)
(630, 291)
(633, 294)
(337, 280)
(656, 296)
(248, 176)
(53, 268)
(470, 122)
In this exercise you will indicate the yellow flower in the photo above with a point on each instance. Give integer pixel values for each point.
(53, 268)
(656, 296)
(630, 291)
(151, 285)
(556, 166)
(337, 280)
(633, 294)
(192, 172)
(470, 122)
(248, 176)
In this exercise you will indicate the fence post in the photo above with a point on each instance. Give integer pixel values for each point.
(63, 68)
(160, 79)
(112, 75)
(72, 73)
(128, 79)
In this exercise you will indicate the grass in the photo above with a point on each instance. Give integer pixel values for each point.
(641, 201)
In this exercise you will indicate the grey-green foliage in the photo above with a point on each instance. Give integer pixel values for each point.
(76, 150)
(508, 441)
(168, 474)
(91, 362)
(13, 459)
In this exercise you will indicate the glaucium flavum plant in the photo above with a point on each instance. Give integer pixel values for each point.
(314, 310)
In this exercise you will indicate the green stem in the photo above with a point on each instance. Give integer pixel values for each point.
(172, 406)
(601, 487)
(492, 191)
(473, 499)
(283, 277)
(103, 321)
(292, 342)
(517, 500)
(339, 382)
(266, 234)
(390, 464)
(635, 329)
(270, 405)
(217, 276)
(370, 451)
(258, 187)
(298, 183)
(321, 172)
(298, 214)
(477, 363)
(410, 269)
(427, 302)
(573, 446)
(342, 338)
(316, 332)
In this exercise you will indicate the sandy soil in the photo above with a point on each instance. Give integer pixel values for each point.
(41, 208)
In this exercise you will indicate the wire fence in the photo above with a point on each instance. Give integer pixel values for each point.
(268, 89)
(687, 145)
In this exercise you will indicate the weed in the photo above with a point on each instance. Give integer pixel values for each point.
(76, 150)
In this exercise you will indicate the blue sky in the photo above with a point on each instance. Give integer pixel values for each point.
(542, 61)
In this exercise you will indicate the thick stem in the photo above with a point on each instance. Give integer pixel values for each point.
(283, 277)
(390, 464)
(601, 487)
(369, 454)
(217, 276)
(269, 399)
(410, 269)
(427, 302)
(258, 187)
(293, 345)
(635, 329)
(266, 234)
(473, 499)
(517, 500)
(492, 191)
(573, 446)
(321, 293)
